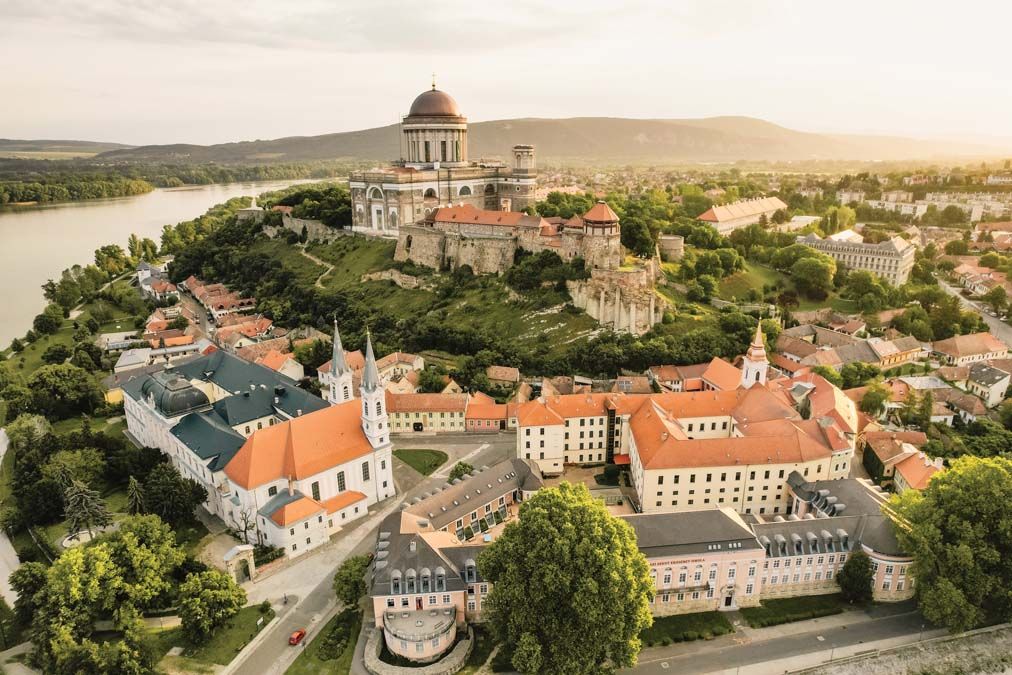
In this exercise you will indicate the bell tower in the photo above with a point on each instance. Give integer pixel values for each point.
(755, 366)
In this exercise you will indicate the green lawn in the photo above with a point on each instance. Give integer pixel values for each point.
(785, 610)
(309, 661)
(686, 627)
(753, 276)
(422, 461)
(223, 646)
(352, 257)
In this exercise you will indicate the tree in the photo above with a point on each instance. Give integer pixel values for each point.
(179, 323)
(957, 530)
(856, 578)
(957, 247)
(61, 390)
(874, 400)
(85, 509)
(813, 277)
(567, 567)
(997, 297)
(206, 601)
(432, 380)
(830, 374)
(27, 580)
(45, 324)
(460, 469)
(349, 580)
(85, 465)
(170, 496)
(858, 373)
(56, 353)
(135, 497)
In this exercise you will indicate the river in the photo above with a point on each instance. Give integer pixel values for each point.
(38, 242)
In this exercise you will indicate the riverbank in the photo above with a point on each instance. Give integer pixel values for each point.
(38, 242)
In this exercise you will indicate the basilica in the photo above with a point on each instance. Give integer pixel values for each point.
(434, 170)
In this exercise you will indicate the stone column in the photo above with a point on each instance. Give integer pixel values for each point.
(601, 303)
(632, 318)
(618, 309)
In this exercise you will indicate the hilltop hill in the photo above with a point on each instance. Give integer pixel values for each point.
(55, 149)
(601, 139)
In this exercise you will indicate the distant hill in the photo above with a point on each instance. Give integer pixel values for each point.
(602, 139)
(42, 149)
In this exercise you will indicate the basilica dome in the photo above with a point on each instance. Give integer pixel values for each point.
(434, 103)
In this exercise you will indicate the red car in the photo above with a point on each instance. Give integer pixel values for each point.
(297, 637)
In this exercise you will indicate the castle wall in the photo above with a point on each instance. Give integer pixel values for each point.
(421, 245)
(485, 255)
(315, 230)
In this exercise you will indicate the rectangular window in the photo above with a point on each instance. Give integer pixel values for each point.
(365, 471)
(315, 487)
(272, 490)
(340, 481)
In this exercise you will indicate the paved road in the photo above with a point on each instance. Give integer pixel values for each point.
(999, 328)
(703, 659)
(311, 577)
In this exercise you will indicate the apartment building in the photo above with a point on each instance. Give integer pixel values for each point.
(892, 260)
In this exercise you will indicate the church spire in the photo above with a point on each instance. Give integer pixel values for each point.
(755, 365)
(370, 375)
(337, 363)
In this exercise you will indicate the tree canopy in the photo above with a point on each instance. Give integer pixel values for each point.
(959, 531)
(571, 590)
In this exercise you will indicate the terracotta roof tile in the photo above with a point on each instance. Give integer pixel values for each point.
(295, 511)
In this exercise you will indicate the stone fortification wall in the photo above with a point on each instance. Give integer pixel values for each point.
(315, 230)
(485, 255)
(672, 247)
(421, 245)
(448, 665)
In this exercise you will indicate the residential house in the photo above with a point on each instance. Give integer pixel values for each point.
(962, 350)
(914, 472)
(730, 217)
(988, 383)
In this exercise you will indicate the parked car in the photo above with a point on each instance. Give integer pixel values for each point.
(297, 637)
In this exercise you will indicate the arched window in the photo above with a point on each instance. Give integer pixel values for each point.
(757, 376)
(465, 191)
(347, 394)
(375, 193)
(490, 189)
(393, 219)
(379, 408)
(430, 194)
(407, 244)
(365, 407)
(395, 582)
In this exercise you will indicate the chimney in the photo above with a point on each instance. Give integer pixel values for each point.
(291, 487)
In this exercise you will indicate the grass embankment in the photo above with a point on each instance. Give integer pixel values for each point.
(315, 659)
(736, 287)
(226, 642)
(485, 304)
(422, 461)
(685, 628)
(786, 610)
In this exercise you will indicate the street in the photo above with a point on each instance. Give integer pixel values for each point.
(701, 657)
(308, 581)
(999, 328)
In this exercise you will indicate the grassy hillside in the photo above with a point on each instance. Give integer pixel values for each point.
(603, 139)
(485, 304)
(54, 149)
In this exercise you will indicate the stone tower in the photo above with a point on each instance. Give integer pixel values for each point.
(601, 247)
(755, 365)
(341, 389)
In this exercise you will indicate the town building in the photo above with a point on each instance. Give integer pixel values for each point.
(892, 260)
(729, 217)
(883, 450)
(914, 472)
(426, 412)
(434, 170)
(426, 583)
(988, 384)
(278, 463)
(850, 196)
(962, 350)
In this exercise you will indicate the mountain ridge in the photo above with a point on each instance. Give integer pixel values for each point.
(603, 139)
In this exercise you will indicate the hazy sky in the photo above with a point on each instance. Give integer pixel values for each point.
(203, 71)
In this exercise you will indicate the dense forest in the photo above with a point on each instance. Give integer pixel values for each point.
(34, 180)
